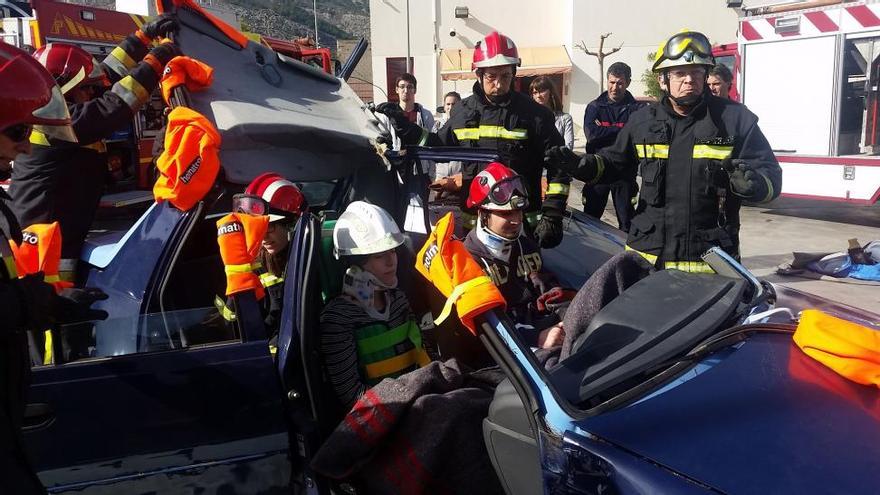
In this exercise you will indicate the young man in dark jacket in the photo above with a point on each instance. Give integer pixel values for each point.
(604, 118)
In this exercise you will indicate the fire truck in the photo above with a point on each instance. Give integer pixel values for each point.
(810, 70)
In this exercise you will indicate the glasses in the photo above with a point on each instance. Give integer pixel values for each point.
(18, 133)
(503, 78)
(508, 190)
(680, 74)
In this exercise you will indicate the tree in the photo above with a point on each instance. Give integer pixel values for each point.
(600, 54)
(649, 79)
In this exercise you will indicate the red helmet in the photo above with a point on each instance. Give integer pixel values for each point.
(281, 198)
(497, 188)
(71, 66)
(29, 96)
(495, 50)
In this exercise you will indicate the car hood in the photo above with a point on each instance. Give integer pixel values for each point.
(765, 419)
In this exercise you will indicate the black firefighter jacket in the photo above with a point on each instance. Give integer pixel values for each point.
(520, 129)
(685, 205)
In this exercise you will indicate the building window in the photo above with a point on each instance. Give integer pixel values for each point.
(395, 66)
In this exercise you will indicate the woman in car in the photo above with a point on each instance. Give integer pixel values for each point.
(368, 333)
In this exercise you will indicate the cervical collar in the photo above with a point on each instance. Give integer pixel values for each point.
(499, 246)
(362, 286)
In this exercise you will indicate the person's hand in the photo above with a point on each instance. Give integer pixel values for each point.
(551, 337)
(165, 52)
(73, 305)
(746, 183)
(394, 113)
(562, 158)
(549, 231)
(161, 26)
(38, 298)
(447, 184)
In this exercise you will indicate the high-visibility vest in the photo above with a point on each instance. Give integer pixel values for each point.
(379, 350)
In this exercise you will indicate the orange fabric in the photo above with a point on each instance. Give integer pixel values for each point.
(186, 71)
(228, 30)
(849, 349)
(40, 251)
(191, 160)
(239, 236)
(447, 264)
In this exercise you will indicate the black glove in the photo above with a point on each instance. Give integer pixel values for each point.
(562, 158)
(38, 301)
(548, 232)
(165, 52)
(73, 305)
(161, 26)
(746, 183)
(395, 113)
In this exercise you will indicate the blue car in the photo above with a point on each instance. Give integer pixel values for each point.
(668, 391)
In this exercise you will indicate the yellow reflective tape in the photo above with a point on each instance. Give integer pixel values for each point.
(457, 292)
(269, 279)
(491, 131)
(424, 138)
(650, 257)
(557, 188)
(689, 266)
(468, 220)
(712, 152)
(123, 57)
(51, 279)
(243, 268)
(48, 356)
(41, 139)
(132, 92)
(9, 263)
(653, 150)
(224, 310)
(769, 189)
(391, 365)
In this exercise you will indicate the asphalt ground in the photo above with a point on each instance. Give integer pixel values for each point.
(770, 233)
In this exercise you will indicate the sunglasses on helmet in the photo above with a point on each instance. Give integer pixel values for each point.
(249, 204)
(508, 190)
(679, 44)
(18, 133)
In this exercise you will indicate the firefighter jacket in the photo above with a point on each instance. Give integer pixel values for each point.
(686, 205)
(63, 181)
(520, 278)
(521, 130)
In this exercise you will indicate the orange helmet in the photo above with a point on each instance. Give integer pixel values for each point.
(29, 96)
(495, 50)
(71, 66)
(273, 195)
(497, 188)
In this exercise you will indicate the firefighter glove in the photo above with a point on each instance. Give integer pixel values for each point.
(161, 26)
(554, 298)
(165, 52)
(561, 157)
(73, 305)
(407, 132)
(549, 230)
(746, 183)
(38, 299)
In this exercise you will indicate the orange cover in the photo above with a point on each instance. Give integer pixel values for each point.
(850, 349)
(186, 71)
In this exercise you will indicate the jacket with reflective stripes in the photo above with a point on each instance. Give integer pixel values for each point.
(680, 213)
(520, 129)
(14, 306)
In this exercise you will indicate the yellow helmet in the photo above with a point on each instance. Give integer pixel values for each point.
(685, 48)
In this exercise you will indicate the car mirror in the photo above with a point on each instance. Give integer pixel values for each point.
(725, 265)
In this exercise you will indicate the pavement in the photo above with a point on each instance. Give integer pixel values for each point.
(771, 232)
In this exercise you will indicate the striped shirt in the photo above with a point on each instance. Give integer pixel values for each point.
(340, 320)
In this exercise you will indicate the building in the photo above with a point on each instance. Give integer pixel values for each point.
(439, 36)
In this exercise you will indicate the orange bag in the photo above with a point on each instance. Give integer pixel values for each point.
(40, 251)
(239, 236)
(851, 350)
(191, 160)
(186, 71)
(447, 264)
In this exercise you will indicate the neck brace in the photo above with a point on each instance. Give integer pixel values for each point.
(363, 286)
(499, 246)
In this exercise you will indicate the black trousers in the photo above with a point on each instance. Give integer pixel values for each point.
(595, 198)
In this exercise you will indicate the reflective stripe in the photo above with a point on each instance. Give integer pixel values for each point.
(227, 313)
(132, 92)
(685, 266)
(269, 279)
(457, 292)
(468, 220)
(652, 150)
(119, 61)
(532, 218)
(557, 188)
(600, 170)
(392, 365)
(384, 340)
(712, 152)
(41, 139)
(769, 189)
(650, 257)
(48, 353)
(424, 138)
(51, 279)
(243, 268)
(490, 131)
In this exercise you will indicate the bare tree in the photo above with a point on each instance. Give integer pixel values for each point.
(600, 54)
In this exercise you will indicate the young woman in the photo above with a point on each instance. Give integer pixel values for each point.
(368, 332)
(544, 92)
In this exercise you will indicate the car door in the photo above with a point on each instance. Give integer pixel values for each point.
(153, 411)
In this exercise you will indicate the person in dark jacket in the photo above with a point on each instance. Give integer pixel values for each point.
(699, 157)
(497, 117)
(604, 118)
(64, 181)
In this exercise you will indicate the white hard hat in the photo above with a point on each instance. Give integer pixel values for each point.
(365, 229)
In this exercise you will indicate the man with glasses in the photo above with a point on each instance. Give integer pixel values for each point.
(699, 157)
(406, 94)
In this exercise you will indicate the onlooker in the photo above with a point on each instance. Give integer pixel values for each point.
(544, 92)
(720, 80)
(603, 119)
(449, 101)
(448, 169)
(405, 85)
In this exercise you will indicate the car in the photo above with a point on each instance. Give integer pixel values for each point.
(670, 391)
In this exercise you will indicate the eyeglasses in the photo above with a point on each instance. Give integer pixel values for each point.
(508, 190)
(18, 133)
(694, 73)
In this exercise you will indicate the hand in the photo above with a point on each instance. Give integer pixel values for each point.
(165, 52)
(549, 231)
(74, 305)
(551, 337)
(395, 113)
(38, 297)
(161, 26)
(747, 183)
(448, 184)
(561, 157)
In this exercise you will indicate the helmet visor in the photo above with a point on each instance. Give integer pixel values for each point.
(508, 190)
(53, 118)
(251, 205)
(681, 43)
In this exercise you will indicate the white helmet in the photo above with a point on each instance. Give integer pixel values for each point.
(365, 229)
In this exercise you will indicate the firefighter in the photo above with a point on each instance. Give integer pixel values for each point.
(511, 260)
(64, 181)
(699, 157)
(496, 116)
(30, 101)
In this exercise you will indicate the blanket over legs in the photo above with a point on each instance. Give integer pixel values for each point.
(419, 433)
